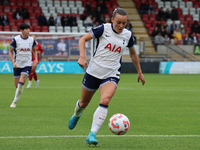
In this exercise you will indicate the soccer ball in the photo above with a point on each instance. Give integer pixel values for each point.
(119, 124)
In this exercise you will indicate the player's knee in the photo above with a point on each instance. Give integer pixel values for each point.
(105, 100)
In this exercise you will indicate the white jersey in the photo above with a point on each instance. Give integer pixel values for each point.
(110, 45)
(23, 50)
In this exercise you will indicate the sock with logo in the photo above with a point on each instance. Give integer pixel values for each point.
(99, 117)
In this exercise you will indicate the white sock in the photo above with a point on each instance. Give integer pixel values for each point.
(19, 91)
(99, 118)
(78, 110)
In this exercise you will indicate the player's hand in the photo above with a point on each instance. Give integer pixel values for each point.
(14, 65)
(82, 62)
(140, 78)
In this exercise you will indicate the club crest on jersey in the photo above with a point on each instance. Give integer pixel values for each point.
(25, 49)
(113, 48)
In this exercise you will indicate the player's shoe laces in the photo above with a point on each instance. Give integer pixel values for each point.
(37, 83)
(13, 105)
(91, 139)
(73, 121)
(29, 85)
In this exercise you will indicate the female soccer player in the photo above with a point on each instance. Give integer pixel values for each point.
(33, 73)
(104, 70)
(22, 45)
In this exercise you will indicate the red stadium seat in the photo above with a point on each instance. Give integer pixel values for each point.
(14, 28)
(1, 28)
(37, 28)
(147, 26)
(6, 28)
(28, 21)
(6, 9)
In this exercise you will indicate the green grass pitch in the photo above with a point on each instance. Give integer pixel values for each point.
(164, 114)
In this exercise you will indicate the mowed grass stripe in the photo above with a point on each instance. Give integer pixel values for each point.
(74, 136)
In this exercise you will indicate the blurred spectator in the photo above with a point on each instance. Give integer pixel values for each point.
(107, 19)
(25, 13)
(167, 14)
(5, 20)
(151, 9)
(58, 19)
(51, 20)
(98, 13)
(88, 21)
(128, 25)
(161, 14)
(182, 27)
(103, 7)
(187, 40)
(84, 15)
(42, 20)
(163, 32)
(174, 13)
(159, 26)
(195, 27)
(166, 39)
(177, 36)
(88, 6)
(173, 27)
(155, 32)
(165, 25)
(134, 38)
(65, 20)
(4, 2)
(195, 39)
(143, 8)
(101, 19)
(73, 20)
(17, 14)
(159, 40)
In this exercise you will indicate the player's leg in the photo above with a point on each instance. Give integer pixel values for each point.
(30, 79)
(20, 87)
(81, 104)
(107, 90)
(36, 78)
(89, 85)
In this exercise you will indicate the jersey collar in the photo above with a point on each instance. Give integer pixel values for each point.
(113, 29)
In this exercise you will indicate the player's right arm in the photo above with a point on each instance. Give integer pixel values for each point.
(82, 61)
(11, 57)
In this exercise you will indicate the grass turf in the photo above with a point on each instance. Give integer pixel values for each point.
(164, 113)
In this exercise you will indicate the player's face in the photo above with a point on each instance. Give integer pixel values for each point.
(119, 22)
(26, 31)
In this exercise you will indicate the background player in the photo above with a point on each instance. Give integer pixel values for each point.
(103, 71)
(33, 73)
(22, 59)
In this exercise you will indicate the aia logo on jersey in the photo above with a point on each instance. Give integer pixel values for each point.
(113, 48)
(25, 49)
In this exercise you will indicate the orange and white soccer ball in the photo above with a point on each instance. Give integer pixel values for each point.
(119, 124)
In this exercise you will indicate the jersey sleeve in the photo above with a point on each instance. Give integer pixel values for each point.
(13, 44)
(97, 31)
(34, 43)
(131, 42)
(40, 48)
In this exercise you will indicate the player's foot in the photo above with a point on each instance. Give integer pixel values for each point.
(29, 84)
(37, 83)
(91, 139)
(73, 121)
(13, 105)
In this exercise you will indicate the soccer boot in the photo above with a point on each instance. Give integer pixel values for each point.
(13, 105)
(91, 139)
(37, 83)
(73, 121)
(29, 84)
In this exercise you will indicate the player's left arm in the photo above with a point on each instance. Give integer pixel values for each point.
(135, 60)
(40, 49)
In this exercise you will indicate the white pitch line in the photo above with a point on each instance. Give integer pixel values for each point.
(74, 136)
